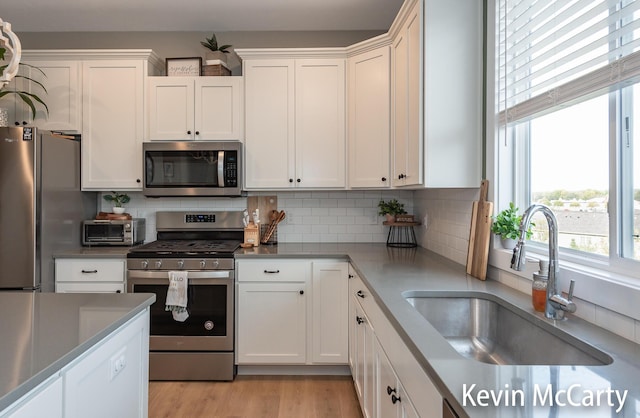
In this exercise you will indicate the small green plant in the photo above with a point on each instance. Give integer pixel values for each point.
(392, 207)
(212, 44)
(118, 199)
(30, 99)
(507, 223)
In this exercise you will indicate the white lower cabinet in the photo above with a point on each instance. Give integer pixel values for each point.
(363, 368)
(272, 323)
(392, 400)
(90, 275)
(389, 381)
(291, 312)
(109, 380)
(330, 305)
(43, 401)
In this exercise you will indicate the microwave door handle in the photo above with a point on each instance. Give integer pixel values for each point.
(220, 168)
(150, 170)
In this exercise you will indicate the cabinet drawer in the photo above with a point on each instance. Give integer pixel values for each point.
(89, 287)
(273, 270)
(90, 270)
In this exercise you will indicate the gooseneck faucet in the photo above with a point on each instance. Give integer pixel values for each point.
(556, 305)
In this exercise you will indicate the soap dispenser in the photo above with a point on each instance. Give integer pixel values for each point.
(539, 287)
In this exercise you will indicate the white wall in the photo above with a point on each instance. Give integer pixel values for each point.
(187, 44)
(322, 216)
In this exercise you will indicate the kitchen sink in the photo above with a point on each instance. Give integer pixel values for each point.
(496, 332)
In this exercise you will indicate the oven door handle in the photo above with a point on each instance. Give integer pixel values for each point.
(191, 275)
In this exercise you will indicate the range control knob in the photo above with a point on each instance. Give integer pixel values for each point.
(144, 264)
(180, 264)
(158, 264)
(203, 264)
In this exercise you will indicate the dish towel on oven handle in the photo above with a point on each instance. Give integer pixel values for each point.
(177, 295)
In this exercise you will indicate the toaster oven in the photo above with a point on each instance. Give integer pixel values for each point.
(113, 232)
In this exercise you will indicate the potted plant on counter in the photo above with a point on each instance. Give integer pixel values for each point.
(118, 199)
(390, 209)
(506, 224)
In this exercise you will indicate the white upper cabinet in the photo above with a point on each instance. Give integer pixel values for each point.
(269, 115)
(113, 118)
(195, 108)
(62, 81)
(369, 137)
(407, 101)
(295, 121)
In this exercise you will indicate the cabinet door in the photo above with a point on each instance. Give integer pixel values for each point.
(320, 123)
(329, 334)
(112, 379)
(364, 375)
(112, 128)
(269, 124)
(62, 82)
(369, 139)
(387, 387)
(171, 108)
(407, 102)
(44, 401)
(272, 323)
(218, 108)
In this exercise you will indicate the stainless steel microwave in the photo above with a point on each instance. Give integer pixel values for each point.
(113, 232)
(192, 168)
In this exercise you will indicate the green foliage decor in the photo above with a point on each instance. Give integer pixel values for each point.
(118, 199)
(507, 223)
(392, 207)
(212, 44)
(30, 99)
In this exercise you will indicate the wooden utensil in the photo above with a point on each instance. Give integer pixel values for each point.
(479, 234)
(275, 217)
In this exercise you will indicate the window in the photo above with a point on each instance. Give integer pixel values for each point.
(568, 106)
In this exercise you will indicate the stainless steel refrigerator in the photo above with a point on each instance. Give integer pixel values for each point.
(41, 205)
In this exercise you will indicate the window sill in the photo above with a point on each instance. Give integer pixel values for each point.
(601, 287)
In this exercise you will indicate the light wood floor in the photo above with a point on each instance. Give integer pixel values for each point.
(255, 397)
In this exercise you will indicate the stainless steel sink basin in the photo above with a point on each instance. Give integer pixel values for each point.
(496, 332)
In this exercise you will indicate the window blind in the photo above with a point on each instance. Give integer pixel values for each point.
(555, 53)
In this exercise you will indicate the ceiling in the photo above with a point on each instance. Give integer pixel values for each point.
(198, 15)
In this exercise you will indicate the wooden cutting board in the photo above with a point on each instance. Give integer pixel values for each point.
(479, 234)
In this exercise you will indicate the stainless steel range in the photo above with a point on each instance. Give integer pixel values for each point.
(202, 244)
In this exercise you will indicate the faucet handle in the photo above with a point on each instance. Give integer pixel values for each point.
(572, 284)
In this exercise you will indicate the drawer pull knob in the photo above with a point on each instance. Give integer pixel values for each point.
(271, 271)
(360, 294)
(302, 292)
(89, 271)
(390, 390)
(395, 399)
(359, 320)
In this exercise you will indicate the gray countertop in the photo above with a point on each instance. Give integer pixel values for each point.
(392, 272)
(94, 252)
(43, 332)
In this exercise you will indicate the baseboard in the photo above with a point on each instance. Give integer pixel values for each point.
(295, 370)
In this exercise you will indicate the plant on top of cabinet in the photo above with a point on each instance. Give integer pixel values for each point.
(25, 96)
(216, 51)
(391, 209)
